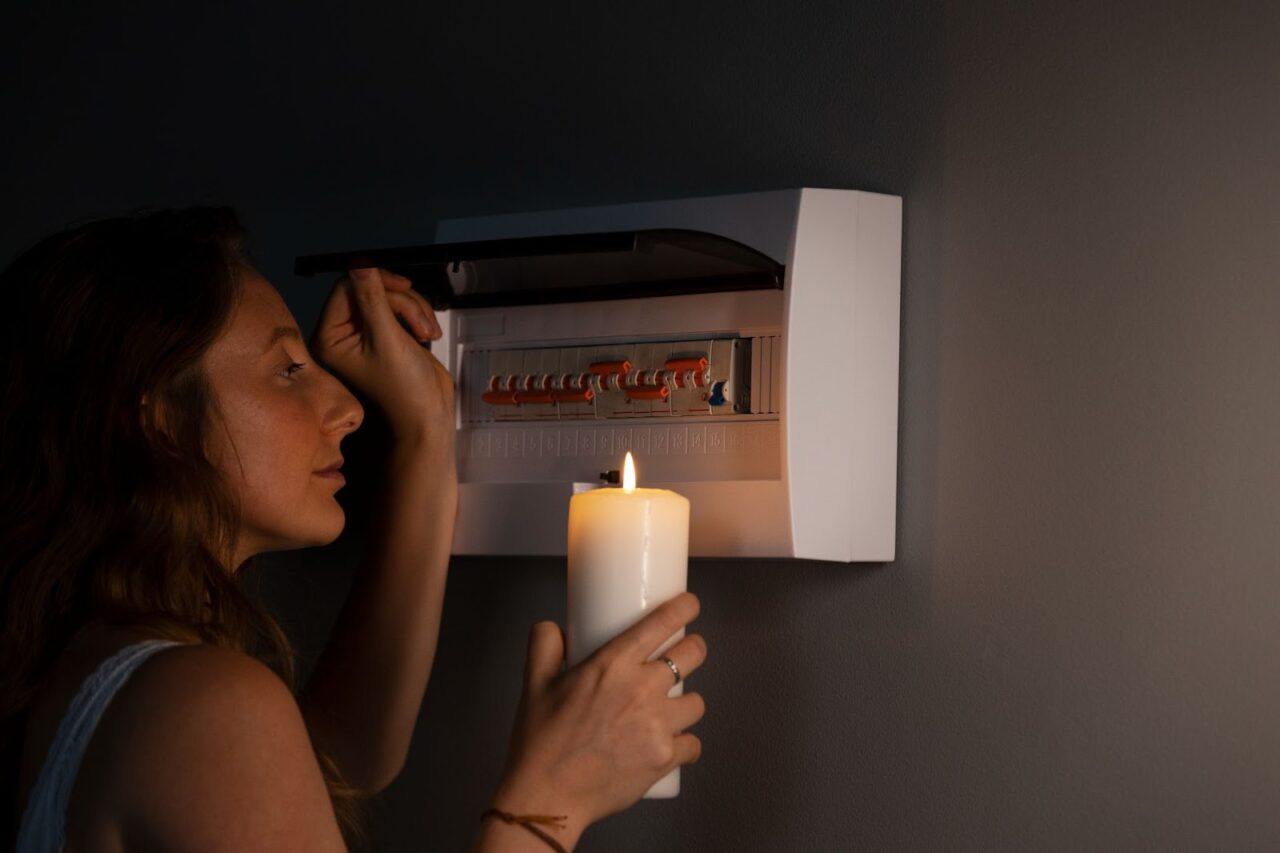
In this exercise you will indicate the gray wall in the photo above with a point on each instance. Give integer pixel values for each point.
(1074, 648)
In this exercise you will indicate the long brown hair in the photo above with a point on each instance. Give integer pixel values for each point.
(110, 508)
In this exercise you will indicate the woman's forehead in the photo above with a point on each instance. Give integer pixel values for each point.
(262, 303)
(259, 312)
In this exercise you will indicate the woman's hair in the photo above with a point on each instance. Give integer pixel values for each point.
(109, 505)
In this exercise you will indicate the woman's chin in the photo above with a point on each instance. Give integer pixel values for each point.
(327, 525)
(335, 528)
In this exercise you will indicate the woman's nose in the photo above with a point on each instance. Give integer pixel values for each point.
(346, 414)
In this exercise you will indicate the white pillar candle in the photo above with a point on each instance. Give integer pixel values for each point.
(628, 553)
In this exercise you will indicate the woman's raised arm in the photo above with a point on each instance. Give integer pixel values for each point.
(363, 698)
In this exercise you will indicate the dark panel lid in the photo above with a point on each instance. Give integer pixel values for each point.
(568, 268)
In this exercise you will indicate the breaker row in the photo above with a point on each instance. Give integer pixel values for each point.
(634, 380)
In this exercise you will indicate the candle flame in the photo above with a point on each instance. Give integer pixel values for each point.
(629, 474)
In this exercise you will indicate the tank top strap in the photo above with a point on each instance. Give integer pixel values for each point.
(43, 828)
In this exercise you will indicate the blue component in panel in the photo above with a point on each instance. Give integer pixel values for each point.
(717, 394)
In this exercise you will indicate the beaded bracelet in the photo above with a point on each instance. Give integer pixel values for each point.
(528, 821)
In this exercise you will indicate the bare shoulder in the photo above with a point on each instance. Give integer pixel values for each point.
(186, 694)
(204, 683)
(205, 748)
(180, 672)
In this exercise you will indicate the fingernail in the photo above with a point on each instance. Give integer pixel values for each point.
(361, 272)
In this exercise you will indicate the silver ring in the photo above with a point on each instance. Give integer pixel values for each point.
(675, 670)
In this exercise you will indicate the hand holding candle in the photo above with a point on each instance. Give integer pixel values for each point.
(628, 553)
(590, 740)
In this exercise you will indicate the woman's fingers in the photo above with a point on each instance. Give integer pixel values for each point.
(372, 301)
(337, 316)
(365, 298)
(429, 311)
(545, 658)
(639, 642)
(688, 749)
(687, 655)
(685, 710)
(407, 308)
(411, 304)
(395, 281)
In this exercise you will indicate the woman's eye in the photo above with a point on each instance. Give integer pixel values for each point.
(291, 369)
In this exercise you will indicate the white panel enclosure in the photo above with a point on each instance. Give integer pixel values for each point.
(785, 444)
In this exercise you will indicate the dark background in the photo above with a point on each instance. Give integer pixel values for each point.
(1075, 647)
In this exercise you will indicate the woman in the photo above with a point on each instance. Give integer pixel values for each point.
(163, 423)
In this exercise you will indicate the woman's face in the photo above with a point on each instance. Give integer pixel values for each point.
(281, 424)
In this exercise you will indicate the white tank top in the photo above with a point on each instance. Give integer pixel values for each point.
(44, 823)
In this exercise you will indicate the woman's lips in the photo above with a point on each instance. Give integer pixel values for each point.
(332, 474)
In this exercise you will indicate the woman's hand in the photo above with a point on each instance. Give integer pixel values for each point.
(360, 340)
(590, 741)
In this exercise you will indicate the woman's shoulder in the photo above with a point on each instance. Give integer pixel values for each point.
(132, 694)
(196, 676)
(196, 696)
(173, 706)
(197, 734)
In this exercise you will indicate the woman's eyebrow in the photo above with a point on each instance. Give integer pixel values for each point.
(281, 332)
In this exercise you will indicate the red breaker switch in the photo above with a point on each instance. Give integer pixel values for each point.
(498, 396)
(682, 364)
(689, 372)
(611, 368)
